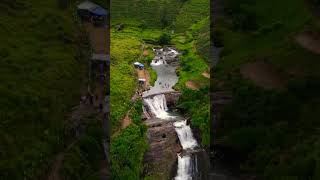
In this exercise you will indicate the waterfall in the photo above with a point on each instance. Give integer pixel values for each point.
(185, 135)
(186, 167)
(158, 106)
(183, 168)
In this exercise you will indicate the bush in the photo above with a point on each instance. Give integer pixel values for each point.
(127, 151)
(83, 160)
(164, 39)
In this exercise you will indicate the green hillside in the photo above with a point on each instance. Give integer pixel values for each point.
(152, 13)
(39, 84)
(273, 119)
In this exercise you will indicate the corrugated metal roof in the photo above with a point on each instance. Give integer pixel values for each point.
(87, 5)
(99, 11)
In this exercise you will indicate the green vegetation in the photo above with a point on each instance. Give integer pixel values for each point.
(276, 129)
(164, 39)
(39, 84)
(191, 13)
(197, 106)
(152, 13)
(83, 160)
(194, 60)
(152, 23)
(123, 82)
(127, 151)
(128, 145)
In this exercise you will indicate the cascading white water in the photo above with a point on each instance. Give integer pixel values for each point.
(183, 168)
(185, 135)
(188, 142)
(158, 106)
(187, 164)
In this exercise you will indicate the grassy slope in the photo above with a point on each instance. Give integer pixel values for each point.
(152, 13)
(191, 13)
(128, 145)
(124, 51)
(193, 19)
(39, 83)
(83, 159)
(275, 129)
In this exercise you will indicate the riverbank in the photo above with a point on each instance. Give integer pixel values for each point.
(170, 137)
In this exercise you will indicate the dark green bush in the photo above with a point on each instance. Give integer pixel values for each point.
(164, 39)
(127, 151)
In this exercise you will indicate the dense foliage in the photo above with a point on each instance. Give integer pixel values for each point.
(277, 128)
(84, 158)
(164, 39)
(127, 152)
(123, 83)
(197, 106)
(155, 14)
(39, 84)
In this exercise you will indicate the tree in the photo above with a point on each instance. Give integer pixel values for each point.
(164, 39)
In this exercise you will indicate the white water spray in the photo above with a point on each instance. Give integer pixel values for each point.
(185, 135)
(187, 164)
(158, 106)
(183, 168)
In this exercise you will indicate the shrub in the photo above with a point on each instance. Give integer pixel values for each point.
(164, 39)
(127, 151)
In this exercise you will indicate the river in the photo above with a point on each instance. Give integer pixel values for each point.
(189, 165)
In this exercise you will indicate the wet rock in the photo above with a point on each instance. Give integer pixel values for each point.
(172, 98)
(162, 154)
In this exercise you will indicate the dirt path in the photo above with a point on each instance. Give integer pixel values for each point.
(126, 121)
(192, 85)
(262, 74)
(309, 40)
(206, 74)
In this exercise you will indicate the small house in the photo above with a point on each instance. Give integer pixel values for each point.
(90, 11)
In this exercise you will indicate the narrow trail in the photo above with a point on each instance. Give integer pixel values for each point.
(192, 85)
(126, 121)
(206, 74)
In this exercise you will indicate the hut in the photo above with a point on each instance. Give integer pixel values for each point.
(138, 65)
(90, 11)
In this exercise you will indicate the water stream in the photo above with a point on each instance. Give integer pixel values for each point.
(165, 63)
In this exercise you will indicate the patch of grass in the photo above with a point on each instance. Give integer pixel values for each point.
(127, 152)
(191, 13)
(193, 62)
(156, 14)
(123, 79)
